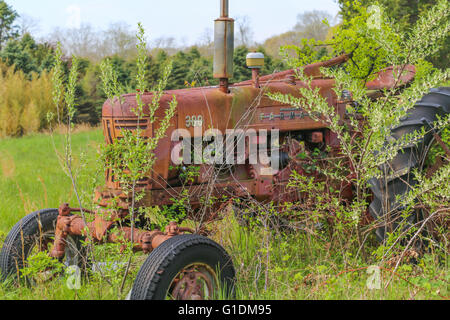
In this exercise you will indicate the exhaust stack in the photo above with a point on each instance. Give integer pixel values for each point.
(223, 47)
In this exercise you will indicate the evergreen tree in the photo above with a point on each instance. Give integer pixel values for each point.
(201, 70)
(243, 73)
(27, 55)
(240, 70)
(179, 71)
(7, 28)
(190, 69)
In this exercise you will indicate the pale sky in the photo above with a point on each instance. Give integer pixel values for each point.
(184, 20)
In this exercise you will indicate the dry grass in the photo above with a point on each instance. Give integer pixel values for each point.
(7, 165)
(24, 103)
(62, 129)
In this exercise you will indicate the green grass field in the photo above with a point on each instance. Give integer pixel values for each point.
(31, 177)
(269, 266)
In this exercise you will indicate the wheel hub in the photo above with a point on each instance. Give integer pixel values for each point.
(193, 283)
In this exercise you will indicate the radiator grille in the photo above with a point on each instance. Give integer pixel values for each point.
(131, 124)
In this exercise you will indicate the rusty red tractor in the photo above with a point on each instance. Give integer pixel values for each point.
(182, 265)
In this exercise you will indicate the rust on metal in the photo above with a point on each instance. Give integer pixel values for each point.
(222, 107)
(224, 7)
(220, 111)
(223, 47)
(317, 137)
(193, 283)
(255, 78)
(442, 144)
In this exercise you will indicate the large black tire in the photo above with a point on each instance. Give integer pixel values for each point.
(398, 177)
(30, 232)
(165, 263)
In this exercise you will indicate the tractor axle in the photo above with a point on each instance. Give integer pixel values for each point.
(75, 225)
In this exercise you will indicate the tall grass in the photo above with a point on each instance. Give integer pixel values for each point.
(24, 104)
(296, 267)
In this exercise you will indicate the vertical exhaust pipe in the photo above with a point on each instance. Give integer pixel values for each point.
(224, 8)
(223, 47)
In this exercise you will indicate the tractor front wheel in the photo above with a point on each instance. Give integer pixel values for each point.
(186, 267)
(35, 233)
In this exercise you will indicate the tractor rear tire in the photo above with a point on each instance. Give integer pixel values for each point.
(185, 260)
(34, 230)
(398, 173)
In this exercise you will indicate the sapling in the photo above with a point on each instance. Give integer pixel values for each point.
(131, 158)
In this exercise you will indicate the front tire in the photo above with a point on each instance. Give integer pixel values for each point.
(36, 231)
(186, 267)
